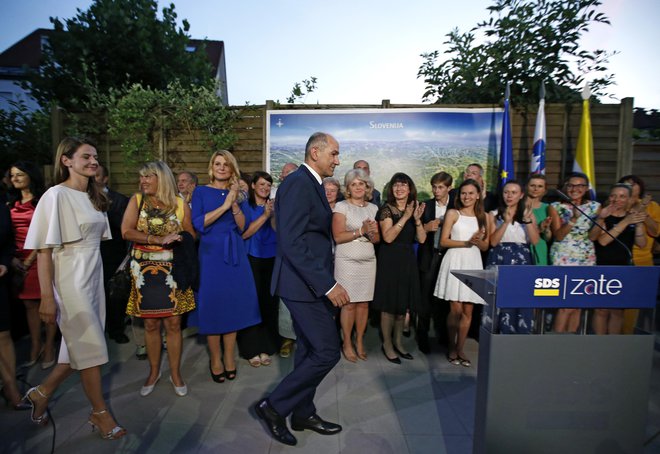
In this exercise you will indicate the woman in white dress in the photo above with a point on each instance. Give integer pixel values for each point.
(465, 234)
(355, 230)
(66, 229)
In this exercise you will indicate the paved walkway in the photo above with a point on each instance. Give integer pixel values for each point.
(422, 406)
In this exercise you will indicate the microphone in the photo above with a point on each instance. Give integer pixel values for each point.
(594, 222)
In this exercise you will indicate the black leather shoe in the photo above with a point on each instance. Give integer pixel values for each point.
(275, 423)
(120, 338)
(403, 355)
(316, 424)
(423, 343)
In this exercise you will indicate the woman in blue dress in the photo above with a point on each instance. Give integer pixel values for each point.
(512, 233)
(227, 296)
(258, 342)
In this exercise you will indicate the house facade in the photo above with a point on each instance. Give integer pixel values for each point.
(25, 55)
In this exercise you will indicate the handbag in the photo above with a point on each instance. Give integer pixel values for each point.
(17, 280)
(119, 285)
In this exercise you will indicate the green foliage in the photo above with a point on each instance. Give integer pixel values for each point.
(113, 45)
(135, 117)
(24, 134)
(298, 92)
(526, 43)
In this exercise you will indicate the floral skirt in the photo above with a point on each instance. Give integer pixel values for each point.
(154, 293)
(511, 321)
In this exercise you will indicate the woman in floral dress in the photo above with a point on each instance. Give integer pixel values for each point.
(572, 246)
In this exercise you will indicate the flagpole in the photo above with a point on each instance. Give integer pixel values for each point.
(505, 172)
(537, 161)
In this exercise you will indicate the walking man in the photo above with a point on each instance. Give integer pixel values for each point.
(303, 278)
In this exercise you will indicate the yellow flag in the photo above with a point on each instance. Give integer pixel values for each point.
(584, 153)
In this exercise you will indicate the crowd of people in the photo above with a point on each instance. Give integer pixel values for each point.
(186, 239)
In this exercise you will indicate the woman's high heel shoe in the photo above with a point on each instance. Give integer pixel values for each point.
(41, 420)
(113, 434)
(32, 362)
(218, 378)
(48, 364)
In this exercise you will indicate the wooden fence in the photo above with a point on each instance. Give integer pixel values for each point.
(611, 126)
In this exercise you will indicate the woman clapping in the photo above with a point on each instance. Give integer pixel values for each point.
(355, 231)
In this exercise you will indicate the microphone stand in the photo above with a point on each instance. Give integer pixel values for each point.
(595, 223)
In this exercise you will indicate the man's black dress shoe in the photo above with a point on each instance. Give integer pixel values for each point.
(120, 337)
(316, 424)
(424, 346)
(275, 423)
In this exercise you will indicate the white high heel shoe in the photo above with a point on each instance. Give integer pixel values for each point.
(146, 390)
(179, 390)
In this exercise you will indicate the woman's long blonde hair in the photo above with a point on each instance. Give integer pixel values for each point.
(167, 190)
(233, 164)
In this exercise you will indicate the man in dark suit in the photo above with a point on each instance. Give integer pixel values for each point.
(475, 172)
(364, 165)
(112, 253)
(429, 256)
(303, 278)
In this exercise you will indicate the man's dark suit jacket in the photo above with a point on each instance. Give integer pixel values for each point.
(490, 202)
(425, 251)
(113, 251)
(303, 265)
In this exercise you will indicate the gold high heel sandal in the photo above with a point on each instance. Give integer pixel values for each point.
(113, 434)
(41, 420)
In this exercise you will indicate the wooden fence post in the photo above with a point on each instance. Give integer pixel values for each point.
(625, 145)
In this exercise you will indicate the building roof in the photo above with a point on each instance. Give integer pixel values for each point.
(27, 52)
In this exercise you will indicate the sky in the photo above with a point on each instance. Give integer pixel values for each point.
(360, 51)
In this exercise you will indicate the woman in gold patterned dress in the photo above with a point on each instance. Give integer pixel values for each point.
(156, 226)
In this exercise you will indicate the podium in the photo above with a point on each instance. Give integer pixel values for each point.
(562, 393)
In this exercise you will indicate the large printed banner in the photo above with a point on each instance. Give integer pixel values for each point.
(418, 142)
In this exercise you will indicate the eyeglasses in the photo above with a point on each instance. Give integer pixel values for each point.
(576, 186)
(400, 185)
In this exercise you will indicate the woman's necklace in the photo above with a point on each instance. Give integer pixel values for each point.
(357, 203)
(154, 202)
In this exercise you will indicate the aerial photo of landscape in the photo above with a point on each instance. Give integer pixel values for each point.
(418, 142)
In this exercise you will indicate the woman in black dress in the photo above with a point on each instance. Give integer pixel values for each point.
(397, 277)
(628, 227)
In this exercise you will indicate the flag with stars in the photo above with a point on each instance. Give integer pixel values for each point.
(537, 163)
(505, 172)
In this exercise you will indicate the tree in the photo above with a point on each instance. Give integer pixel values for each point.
(114, 44)
(138, 114)
(526, 43)
(24, 134)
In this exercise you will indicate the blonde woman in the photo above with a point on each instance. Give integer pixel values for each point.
(155, 221)
(227, 294)
(355, 231)
(68, 225)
